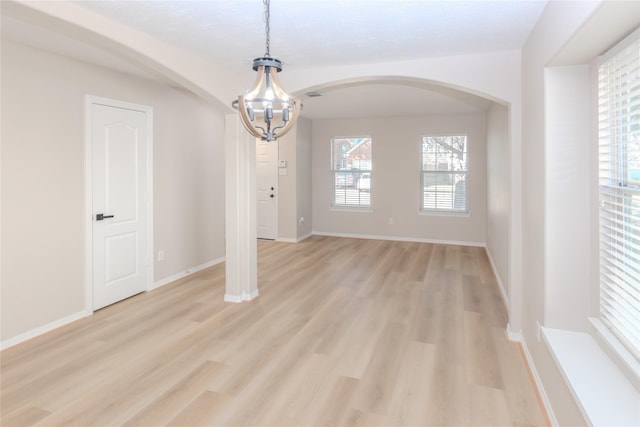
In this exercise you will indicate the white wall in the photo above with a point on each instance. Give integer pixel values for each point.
(294, 188)
(186, 69)
(498, 192)
(496, 76)
(304, 187)
(395, 181)
(568, 219)
(287, 196)
(556, 194)
(555, 27)
(43, 274)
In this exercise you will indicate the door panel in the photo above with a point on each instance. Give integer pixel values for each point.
(121, 143)
(266, 189)
(121, 257)
(119, 161)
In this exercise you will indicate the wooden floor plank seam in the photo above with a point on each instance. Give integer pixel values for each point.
(345, 332)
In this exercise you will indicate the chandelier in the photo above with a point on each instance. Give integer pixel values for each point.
(267, 111)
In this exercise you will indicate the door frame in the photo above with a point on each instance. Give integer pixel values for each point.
(89, 101)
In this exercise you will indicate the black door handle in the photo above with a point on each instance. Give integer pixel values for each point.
(100, 217)
(272, 196)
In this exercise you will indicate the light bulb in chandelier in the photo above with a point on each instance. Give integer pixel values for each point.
(267, 111)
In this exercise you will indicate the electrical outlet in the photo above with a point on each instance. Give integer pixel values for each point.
(538, 330)
(160, 255)
(301, 220)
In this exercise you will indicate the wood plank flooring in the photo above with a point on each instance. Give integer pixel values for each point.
(345, 332)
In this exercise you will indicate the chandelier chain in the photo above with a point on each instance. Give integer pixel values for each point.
(267, 28)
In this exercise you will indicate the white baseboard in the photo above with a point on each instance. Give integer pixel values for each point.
(43, 329)
(286, 240)
(76, 316)
(183, 274)
(503, 290)
(241, 298)
(304, 236)
(519, 338)
(513, 335)
(400, 239)
(298, 240)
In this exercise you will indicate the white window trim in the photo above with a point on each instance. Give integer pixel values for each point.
(594, 363)
(592, 377)
(350, 208)
(612, 342)
(442, 212)
(617, 352)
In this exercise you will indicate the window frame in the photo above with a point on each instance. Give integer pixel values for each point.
(421, 198)
(608, 332)
(333, 175)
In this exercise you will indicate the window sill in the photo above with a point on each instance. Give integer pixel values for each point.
(627, 363)
(367, 209)
(604, 394)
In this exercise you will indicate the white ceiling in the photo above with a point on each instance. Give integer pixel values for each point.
(311, 33)
(384, 100)
(308, 33)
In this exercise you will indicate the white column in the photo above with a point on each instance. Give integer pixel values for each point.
(240, 212)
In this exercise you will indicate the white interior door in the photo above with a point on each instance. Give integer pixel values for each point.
(266, 189)
(120, 192)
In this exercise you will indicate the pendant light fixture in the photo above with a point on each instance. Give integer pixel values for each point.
(267, 111)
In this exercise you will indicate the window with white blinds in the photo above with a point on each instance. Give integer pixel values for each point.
(619, 185)
(351, 171)
(444, 163)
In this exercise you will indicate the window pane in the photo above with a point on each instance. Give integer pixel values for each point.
(351, 165)
(444, 178)
(444, 192)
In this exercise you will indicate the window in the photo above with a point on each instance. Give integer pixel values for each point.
(619, 188)
(444, 173)
(351, 171)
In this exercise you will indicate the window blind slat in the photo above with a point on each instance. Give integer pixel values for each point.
(631, 270)
(619, 180)
(620, 286)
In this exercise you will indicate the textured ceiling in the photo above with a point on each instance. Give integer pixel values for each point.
(310, 33)
(315, 33)
(384, 100)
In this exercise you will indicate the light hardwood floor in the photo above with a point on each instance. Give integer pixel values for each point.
(345, 332)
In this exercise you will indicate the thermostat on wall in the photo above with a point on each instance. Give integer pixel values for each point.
(283, 163)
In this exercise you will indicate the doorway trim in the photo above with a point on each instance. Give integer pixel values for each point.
(90, 100)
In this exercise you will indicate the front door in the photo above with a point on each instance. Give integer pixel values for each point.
(120, 191)
(266, 188)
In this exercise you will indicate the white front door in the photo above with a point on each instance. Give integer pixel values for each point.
(120, 166)
(266, 188)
